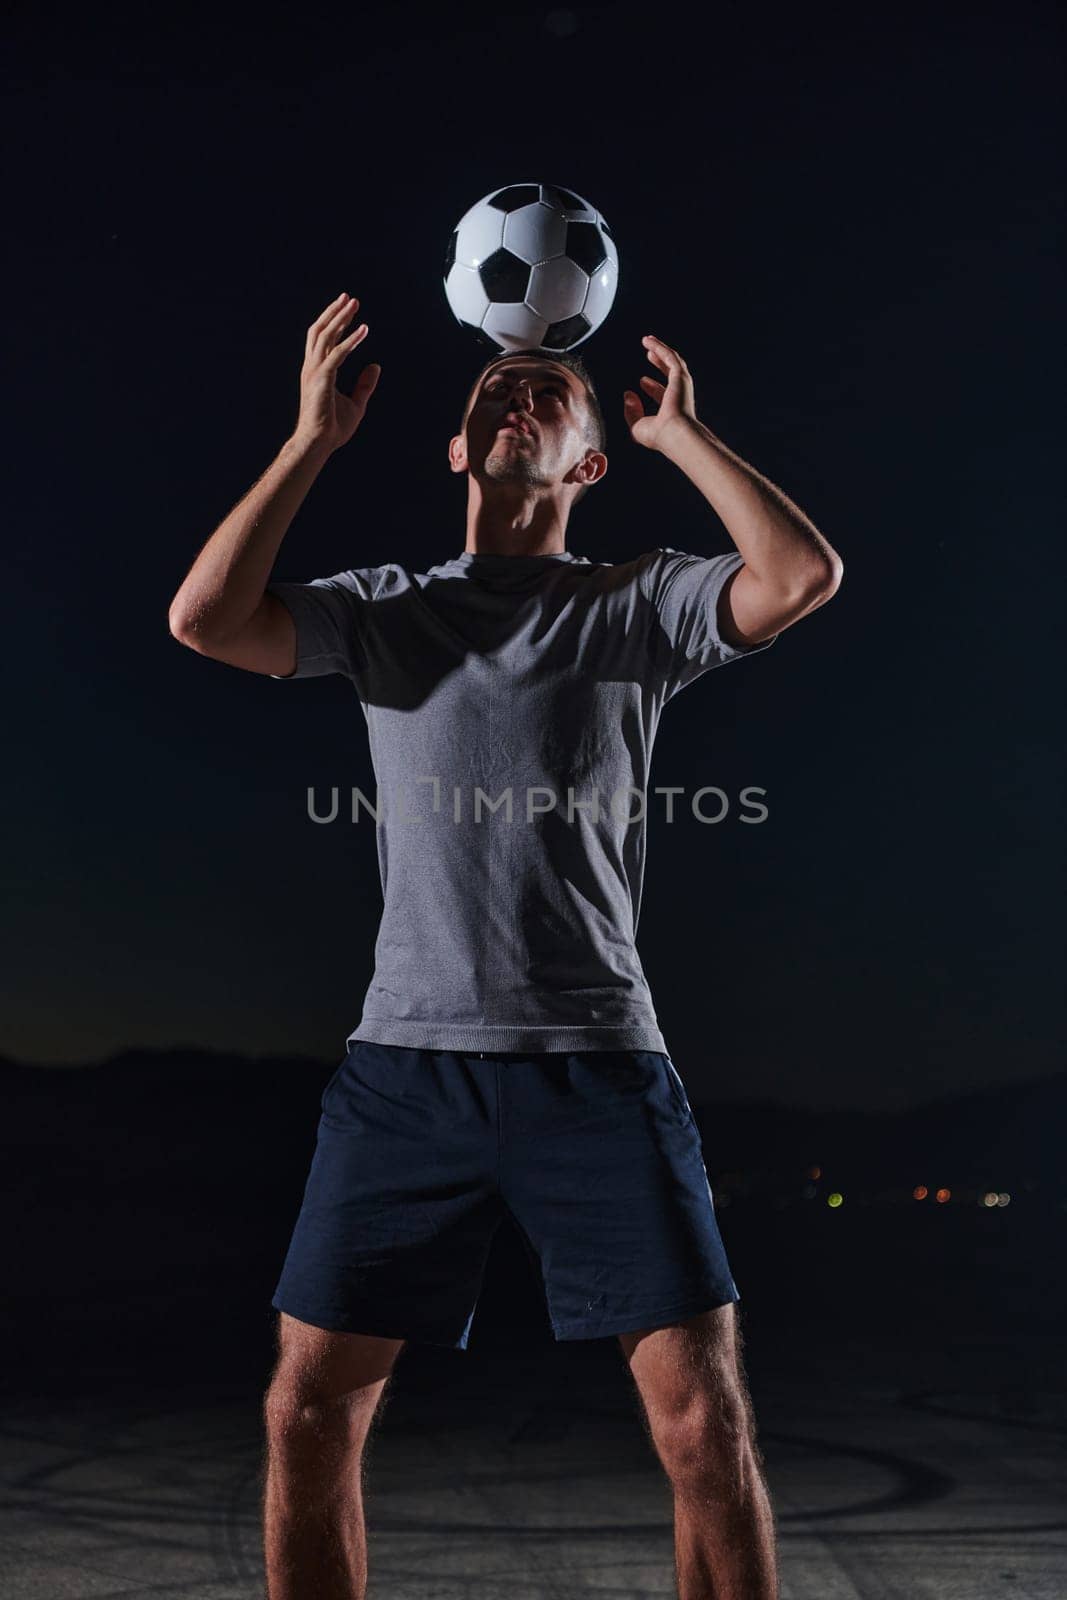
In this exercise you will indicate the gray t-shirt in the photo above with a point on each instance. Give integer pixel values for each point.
(511, 925)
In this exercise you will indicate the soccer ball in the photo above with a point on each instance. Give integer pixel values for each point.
(531, 267)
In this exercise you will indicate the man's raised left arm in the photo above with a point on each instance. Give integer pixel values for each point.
(790, 568)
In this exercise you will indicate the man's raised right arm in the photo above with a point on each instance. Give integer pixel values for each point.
(222, 609)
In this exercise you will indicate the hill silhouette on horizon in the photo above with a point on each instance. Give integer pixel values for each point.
(171, 1097)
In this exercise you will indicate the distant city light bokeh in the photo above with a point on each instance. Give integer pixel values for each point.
(763, 1186)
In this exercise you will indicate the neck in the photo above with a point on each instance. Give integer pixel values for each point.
(487, 549)
(526, 527)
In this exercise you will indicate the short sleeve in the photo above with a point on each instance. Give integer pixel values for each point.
(329, 614)
(683, 592)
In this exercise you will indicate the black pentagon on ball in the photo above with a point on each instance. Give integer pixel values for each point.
(561, 335)
(563, 199)
(585, 246)
(450, 253)
(504, 277)
(510, 199)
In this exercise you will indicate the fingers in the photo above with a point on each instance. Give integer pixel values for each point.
(331, 311)
(323, 331)
(661, 355)
(367, 382)
(327, 345)
(342, 350)
(655, 390)
(670, 398)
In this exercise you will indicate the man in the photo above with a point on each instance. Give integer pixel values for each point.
(508, 1058)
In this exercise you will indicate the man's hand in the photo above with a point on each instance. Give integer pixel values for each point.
(327, 417)
(675, 398)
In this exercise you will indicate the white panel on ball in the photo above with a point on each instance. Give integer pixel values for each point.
(602, 287)
(535, 233)
(514, 327)
(557, 289)
(480, 233)
(466, 295)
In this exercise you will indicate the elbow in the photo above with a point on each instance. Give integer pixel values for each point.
(835, 571)
(184, 628)
(810, 591)
(823, 583)
(179, 625)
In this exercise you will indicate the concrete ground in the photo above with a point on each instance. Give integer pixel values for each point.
(526, 1473)
(906, 1367)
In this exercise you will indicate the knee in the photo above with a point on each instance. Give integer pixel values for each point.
(707, 1447)
(295, 1412)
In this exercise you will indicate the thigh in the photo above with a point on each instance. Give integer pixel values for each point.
(400, 1204)
(691, 1379)
(321, 1367)
(603, 1170)
(671, 1363)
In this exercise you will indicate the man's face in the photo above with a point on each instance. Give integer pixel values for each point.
(527, 422)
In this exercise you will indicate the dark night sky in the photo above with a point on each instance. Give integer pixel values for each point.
(851, 227)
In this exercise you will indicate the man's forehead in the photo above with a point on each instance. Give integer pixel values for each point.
(532, 368)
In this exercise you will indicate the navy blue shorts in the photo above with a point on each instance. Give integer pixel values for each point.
(421, 1153)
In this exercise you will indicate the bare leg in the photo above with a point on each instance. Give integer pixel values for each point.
(699, 1414)
(323, 1398)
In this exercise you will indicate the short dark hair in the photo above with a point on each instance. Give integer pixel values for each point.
(595, 431)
